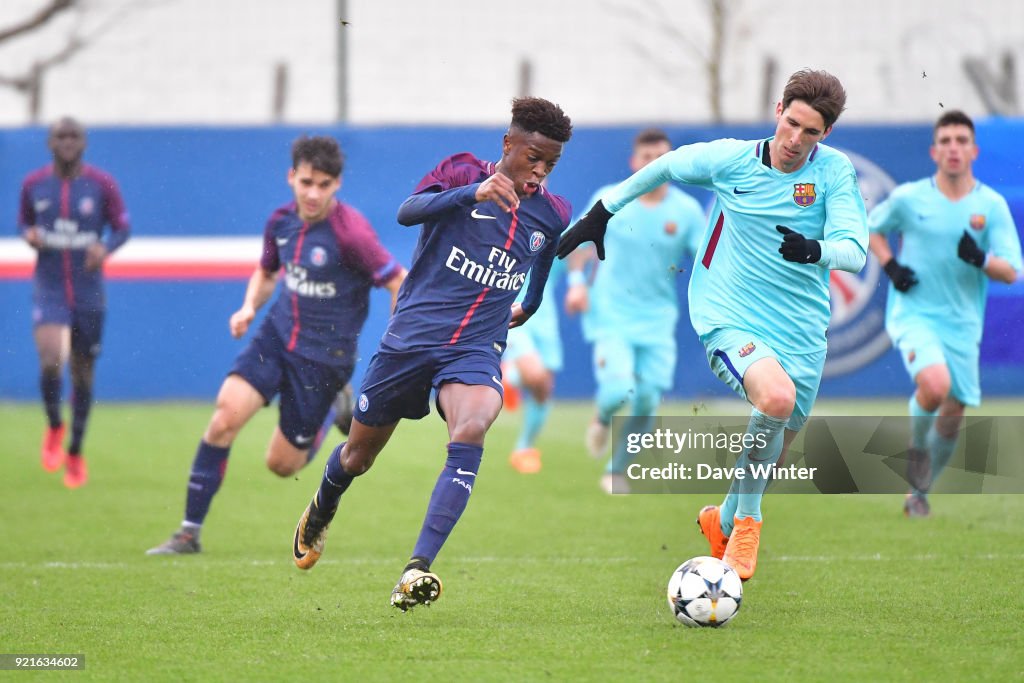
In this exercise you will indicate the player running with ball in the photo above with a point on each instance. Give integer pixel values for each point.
(485, 225)
(787, 211)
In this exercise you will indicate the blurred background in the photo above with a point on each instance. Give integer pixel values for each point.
(192, 105)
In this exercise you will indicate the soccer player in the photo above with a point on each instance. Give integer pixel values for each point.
(956, 235)
(533, 355)
(63, 210)
(787, 210)
(631, 307)
(485, 225)
(305, 348)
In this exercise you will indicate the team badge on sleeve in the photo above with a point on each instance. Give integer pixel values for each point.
(803, 194)
(537, 240)
(978, 221)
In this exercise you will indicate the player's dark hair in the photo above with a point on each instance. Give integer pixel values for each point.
(650, 136)
(537, 115)
(820, 90)
(954, 117)
(322, 153)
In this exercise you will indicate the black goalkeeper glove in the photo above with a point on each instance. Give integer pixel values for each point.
(969, 251)
(797, 248)
(903, 278)
(590, 228)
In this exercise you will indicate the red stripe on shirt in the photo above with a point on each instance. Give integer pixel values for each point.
(295, 295)
(65, 212)
(469, 314)
(713, 242)
(512, 230)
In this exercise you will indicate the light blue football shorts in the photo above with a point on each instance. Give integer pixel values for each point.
(732, 351)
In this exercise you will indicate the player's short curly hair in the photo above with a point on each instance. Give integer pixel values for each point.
(322, 153)
(537, 115)
(820, 90)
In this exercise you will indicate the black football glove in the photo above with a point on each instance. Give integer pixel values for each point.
(797, 248)
(903, 278)
(590, 228)
(969, 251)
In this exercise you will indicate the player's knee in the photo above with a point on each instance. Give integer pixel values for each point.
(778, 400)
(356, 460)
(284, 467)
(471, 429)
(542, 387)
(222, 429)
(933, 388)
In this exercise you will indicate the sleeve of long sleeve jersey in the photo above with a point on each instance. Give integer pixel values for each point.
(845, 246)
(689, 164)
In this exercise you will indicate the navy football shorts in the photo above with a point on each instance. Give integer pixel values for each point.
(86, 325)
(398, 383)
(307, 388)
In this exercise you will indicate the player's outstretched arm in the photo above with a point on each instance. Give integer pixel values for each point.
(424, 206)
(590, 228)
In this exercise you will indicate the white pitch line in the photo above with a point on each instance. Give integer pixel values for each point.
(208, 562)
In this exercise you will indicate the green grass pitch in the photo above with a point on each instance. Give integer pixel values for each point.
(546, 578)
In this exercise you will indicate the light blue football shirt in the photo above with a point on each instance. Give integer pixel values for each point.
(950, 293)
(634, 290)
(740, 280)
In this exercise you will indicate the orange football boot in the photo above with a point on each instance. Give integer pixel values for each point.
(52, 453)
(741, 551)
(75, 472)
(710, 522)
(525, 460)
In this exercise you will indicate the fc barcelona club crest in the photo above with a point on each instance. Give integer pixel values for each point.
(803, 194)
(978, 221)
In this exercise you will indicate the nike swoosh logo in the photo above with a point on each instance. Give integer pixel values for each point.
(737, 190)
(496, 380)
(476, 214)
(281, 241)
(465, 473)
(303, 440)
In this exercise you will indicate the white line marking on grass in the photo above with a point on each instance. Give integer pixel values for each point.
(202, 562)
(207, 562)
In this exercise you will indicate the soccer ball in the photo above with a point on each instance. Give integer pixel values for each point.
(704, 591)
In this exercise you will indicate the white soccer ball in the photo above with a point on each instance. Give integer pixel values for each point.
(704, 591)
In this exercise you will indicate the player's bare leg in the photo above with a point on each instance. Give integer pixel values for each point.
(345, 462)
(237, 402)
(53, 344)
(538, 382)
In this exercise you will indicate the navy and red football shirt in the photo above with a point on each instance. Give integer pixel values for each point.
(471, 259)
(329, 268)
(72, 214)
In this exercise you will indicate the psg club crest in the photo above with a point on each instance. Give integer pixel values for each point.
(537, 240)
(803, 194)
(318, 256)
(86, 206)
(978, 221)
